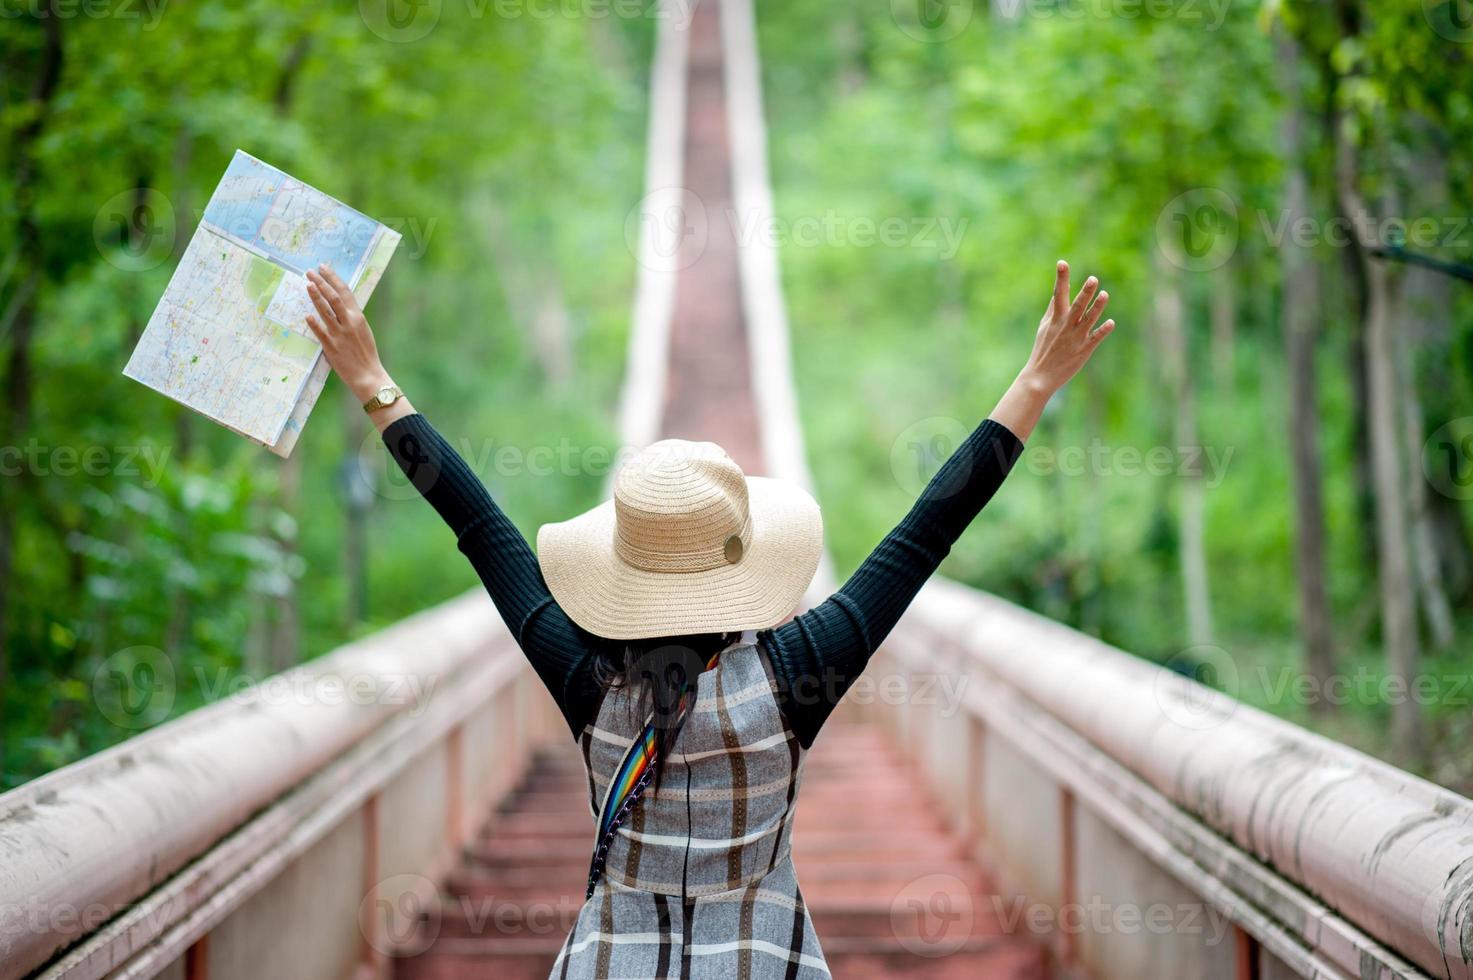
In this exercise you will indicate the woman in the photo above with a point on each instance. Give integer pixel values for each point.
(653, 620)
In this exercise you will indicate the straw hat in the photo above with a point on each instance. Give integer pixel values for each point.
(688, 545)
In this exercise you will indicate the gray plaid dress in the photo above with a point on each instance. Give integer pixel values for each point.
(699, 881)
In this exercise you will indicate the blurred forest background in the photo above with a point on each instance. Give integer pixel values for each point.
(1263, 480)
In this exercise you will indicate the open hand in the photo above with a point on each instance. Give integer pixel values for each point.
(1066, 338)
(346, 338)
(1066, 334)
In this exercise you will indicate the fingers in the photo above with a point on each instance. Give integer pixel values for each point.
(1082, 301)
(331, 276)
(1092, 316)
(330, 293)
(1061, 285)
(317, 329)
(1106, 328)
(319, 299)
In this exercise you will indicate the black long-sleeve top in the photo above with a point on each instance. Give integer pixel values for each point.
(815, 656)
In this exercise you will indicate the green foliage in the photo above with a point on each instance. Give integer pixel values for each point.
(1069, 135)
(505, 149)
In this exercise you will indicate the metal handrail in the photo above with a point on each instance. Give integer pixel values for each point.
(89, 849)
(1356, 858)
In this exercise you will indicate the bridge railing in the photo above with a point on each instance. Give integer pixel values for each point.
(1135, 805)
(292, 830)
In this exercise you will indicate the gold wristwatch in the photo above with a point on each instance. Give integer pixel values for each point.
(386, 396)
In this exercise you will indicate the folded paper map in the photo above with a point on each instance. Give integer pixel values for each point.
(229, 338)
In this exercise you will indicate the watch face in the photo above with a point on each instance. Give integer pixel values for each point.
(385, 395)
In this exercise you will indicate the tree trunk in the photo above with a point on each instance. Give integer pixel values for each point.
(1388, 468)
(1426, 296)
(285, 636)
(1353, 306)
(1170, 316)
(535, 299)
(358, 498)
(1440, 548)
(1224, 320)
(21, 306)
(849, 44)
(1300, 319)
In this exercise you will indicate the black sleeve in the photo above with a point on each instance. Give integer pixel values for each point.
(557, 648)
(818, 655)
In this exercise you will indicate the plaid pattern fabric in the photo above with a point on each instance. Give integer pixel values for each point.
(699, 881)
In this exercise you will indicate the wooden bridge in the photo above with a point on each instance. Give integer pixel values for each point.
(1050, 807)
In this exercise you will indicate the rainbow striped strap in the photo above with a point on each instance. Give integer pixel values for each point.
(627, 788)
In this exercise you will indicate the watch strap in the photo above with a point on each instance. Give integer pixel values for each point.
(379, 401)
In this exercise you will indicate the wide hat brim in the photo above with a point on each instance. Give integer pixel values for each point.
(611, 598)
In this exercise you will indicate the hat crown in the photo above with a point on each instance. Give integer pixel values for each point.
(677, 507)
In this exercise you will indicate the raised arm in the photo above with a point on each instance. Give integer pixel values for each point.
(818, 655)
(496, 549)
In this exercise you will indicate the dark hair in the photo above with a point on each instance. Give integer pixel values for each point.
(666, 668)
